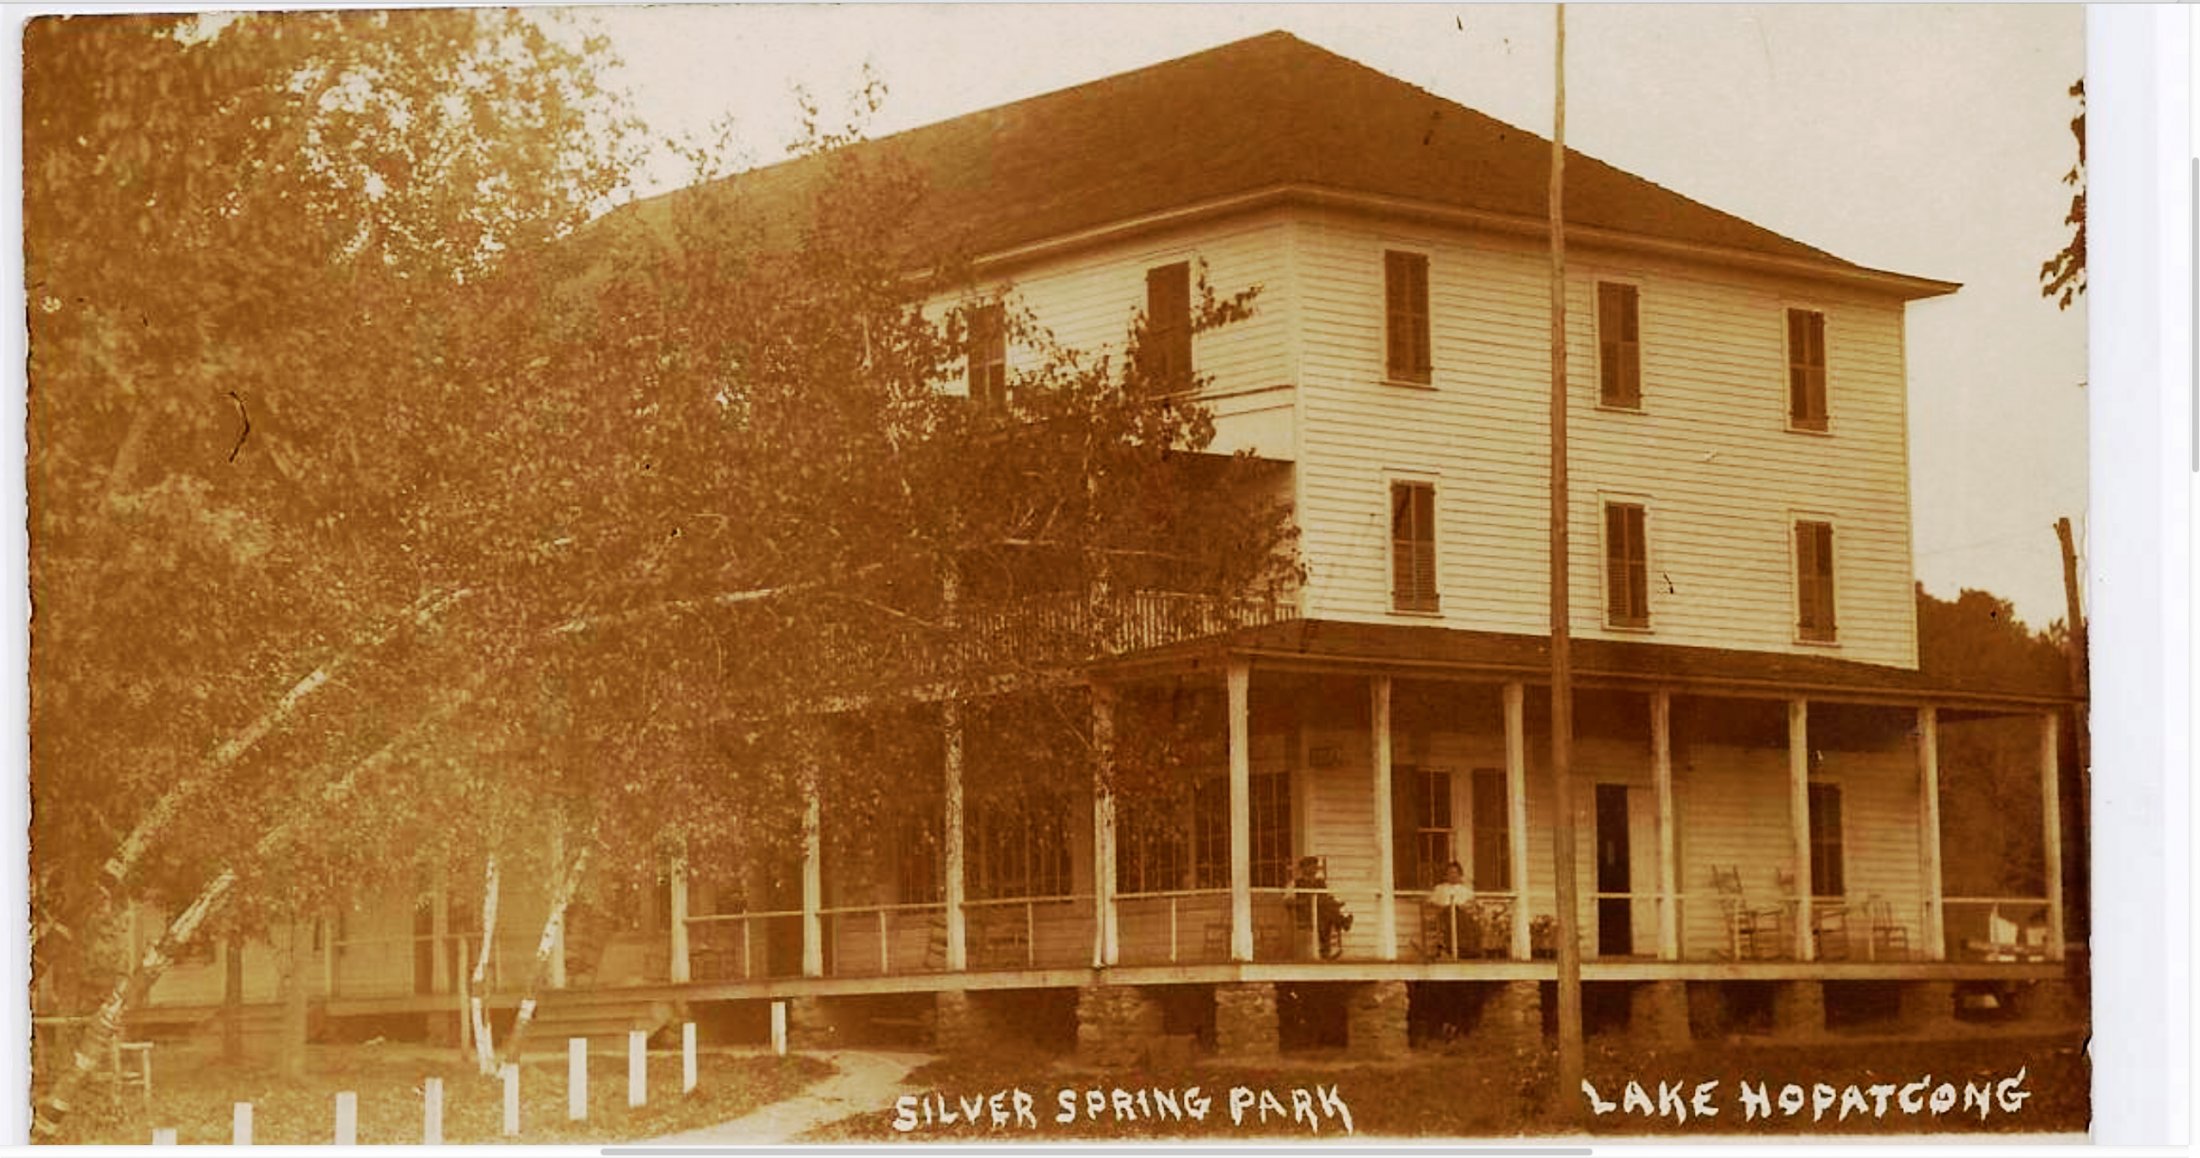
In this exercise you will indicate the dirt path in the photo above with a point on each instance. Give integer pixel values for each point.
(867, 1080)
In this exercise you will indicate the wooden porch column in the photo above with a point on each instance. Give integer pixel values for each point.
(951, 889)
(813, 882)
(1386, 856)
(1661, 777)
(1516, 802)
(2051, 830)
(1932, 923)
(1239, 676)
(1106, 949)
(1799, 822)
(676, 965)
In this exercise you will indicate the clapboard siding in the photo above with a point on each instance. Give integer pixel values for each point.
(1087, 301)
(1709, 452)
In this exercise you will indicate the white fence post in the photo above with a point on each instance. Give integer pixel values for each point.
(347, 1119)
(511, 1100)
(576, 1079)
(431, 1125)
(240, 1124)
(687, 1057)
(637, 1067)
(779, 1028)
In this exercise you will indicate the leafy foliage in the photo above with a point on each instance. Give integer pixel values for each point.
(2062, 277)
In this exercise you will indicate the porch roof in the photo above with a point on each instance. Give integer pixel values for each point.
(1601, 662)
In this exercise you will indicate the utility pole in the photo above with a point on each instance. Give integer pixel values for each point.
(1562, 660)
(2081, 688)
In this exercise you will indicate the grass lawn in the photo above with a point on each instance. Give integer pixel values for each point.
(193, 1092)
(1440, 1093)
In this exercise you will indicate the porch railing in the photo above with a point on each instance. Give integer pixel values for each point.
(883, 940)
(1029, 932)
(1996, 928)
(738, 946)
(1173, 926)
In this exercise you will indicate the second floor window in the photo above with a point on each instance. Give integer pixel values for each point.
(1413, 546)
(1806, 356)
(1619, 347)
(988, 357)
(1405, 300)
(1814, 581)
(1626, 566)
(1166, 353)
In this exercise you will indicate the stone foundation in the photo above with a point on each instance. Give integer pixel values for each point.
(1657, 1014)
(811, 1024)
(1117, 1025)
(1799, 1009)
(1375, 1019)
(1707, 1014)
(1512, 1018)
(1245, 1020)
(1928, 1007)
(960, 1025)
(2052, 1003)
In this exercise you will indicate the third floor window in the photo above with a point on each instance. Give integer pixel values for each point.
(1806, 359)
(1405, 302)
(988, 356)
(1166, 354)
(1619, 347)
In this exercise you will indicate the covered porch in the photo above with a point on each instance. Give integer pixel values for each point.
(1738, 816)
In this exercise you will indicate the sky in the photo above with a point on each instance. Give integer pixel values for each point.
(1927, 140)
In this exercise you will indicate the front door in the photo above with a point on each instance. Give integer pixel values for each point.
(1615, 910)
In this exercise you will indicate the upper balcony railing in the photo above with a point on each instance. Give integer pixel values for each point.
(1044, 632)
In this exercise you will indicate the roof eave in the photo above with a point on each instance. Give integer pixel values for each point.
(1907, 287)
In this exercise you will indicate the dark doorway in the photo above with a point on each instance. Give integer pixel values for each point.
(1615, 913)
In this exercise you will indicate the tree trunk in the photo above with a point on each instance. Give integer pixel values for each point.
(485, 1054)
(233, 999)
(106, 1025)
(98, 1038)
(552, 926)
(296, 948)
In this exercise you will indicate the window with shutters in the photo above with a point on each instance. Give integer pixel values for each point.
(1165, 352)
(1626, 566)
(1492, 832)
(1405, 300)
(1814, 581)
(1271, 831)
(1421, 825)
(1806, 358)
(1619, 347)
(1826, 869)
(1413, 546)
(987, 354)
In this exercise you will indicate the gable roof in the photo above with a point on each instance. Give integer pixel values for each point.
(1268, 113)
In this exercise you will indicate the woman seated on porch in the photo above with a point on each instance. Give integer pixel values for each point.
(1311, 903)
(1451, 913)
